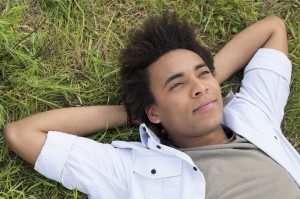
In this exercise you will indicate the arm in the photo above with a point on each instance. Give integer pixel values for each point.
(27, 136)
(267, 33)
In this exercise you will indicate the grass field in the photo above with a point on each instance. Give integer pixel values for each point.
(62, 53)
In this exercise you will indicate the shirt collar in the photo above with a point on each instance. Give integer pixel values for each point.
(147, 134)
(229, 97)
(150, 140)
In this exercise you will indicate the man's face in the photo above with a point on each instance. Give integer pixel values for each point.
(188, 101)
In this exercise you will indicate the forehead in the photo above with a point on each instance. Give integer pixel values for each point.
(176, 61)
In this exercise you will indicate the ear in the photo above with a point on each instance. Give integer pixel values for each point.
(152, 114)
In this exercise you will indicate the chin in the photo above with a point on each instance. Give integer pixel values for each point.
(209, 126)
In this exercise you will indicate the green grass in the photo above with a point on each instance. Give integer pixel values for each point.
(62, 53)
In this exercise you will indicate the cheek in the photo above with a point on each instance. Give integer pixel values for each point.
(216, 89)
(171, 108)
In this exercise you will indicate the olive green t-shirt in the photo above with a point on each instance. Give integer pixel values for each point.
(237, 169)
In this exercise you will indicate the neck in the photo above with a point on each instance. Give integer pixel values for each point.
(216, 136)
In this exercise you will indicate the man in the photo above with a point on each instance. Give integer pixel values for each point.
(199, 149)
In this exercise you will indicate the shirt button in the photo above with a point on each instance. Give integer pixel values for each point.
(157, 146)
(153, 171)
(195, 168)
(275, 137)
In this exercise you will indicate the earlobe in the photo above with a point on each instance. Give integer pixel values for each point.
(152, 114)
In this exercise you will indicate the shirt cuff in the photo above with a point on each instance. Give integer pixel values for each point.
(54, 154)
(272, 60)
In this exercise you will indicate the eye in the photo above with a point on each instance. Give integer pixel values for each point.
(204, 73)
(175, 86)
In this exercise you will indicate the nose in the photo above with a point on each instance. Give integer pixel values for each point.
(199, 89)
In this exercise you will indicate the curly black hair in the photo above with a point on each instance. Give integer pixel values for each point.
(158, 36)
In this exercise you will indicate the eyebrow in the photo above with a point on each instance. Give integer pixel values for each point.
(200, 66)
(178, 75)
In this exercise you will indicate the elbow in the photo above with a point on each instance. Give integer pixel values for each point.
(26, 143)
(10, 134)
(279, 23)
(278, 35)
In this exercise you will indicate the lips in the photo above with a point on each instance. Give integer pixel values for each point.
(205, 106)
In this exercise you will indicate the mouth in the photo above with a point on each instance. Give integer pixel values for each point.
(205, 106)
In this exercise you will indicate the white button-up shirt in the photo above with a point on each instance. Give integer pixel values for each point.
(150, 169)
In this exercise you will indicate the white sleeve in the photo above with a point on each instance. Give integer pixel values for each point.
(91, 167)
(266, 83)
